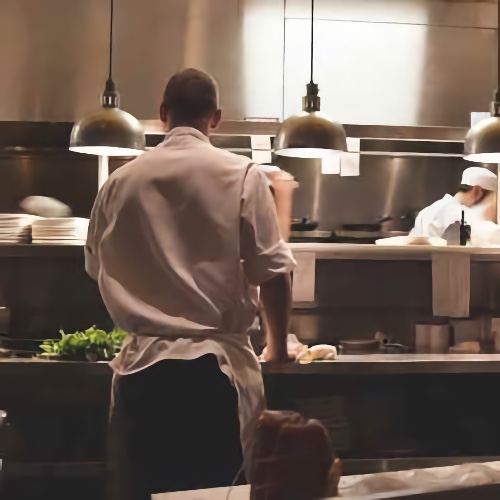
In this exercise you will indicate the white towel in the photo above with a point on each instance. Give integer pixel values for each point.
(451, 284)
(304, 278)
(317, 353)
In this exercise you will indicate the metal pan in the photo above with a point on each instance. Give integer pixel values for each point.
(374, 227)
(303, 225)
(359, 346)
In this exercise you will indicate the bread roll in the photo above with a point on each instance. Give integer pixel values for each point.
(293, 459)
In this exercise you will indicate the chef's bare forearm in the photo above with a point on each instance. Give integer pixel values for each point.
(276, 299)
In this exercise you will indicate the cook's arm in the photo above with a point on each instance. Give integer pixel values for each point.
(282, 186)
(276, 300)
(96, 227)
(267, 260)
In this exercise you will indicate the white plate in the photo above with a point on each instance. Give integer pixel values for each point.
(56, 233)
(16, 216)
(59, 242)
(64, 238)
(73, 222)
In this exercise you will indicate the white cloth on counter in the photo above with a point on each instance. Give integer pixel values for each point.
(365, 487)
(451, 284)
(485, 234)
(304, 354)
(178, 240)
(321, 352)
(411, 241)
(420, 480)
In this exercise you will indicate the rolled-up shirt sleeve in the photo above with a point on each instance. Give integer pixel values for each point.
(263, 252)
(96, 227)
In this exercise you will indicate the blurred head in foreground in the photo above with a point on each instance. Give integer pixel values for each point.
(191, 100)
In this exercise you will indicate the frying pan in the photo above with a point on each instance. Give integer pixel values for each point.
(374, 227)
(359, 346)
(303, 224)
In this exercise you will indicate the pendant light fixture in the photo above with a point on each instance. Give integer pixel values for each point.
(482, 142)
(310, 134)
(110, 131)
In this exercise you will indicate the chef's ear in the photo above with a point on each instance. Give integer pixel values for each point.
(214, 122)
(478, 193)
(163, 113)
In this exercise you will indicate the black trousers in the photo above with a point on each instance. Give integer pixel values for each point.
(174, 426)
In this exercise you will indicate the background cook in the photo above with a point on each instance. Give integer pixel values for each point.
(478, 184)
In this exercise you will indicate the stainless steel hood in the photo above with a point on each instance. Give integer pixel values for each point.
(248, 138)
(374, 139)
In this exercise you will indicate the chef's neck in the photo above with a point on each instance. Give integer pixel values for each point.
(202, 126)
(465, 199)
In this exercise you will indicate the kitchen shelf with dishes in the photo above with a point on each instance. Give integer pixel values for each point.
(24, 235)
(23, 228)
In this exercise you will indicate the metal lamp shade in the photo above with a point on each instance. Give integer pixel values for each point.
(482, 142)
(310, 135)
(108, 132)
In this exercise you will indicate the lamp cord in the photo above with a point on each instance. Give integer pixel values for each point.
(312, 42)
(498, 46)
(111, 40)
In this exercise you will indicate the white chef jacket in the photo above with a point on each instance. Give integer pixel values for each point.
(433, 220)
(178, 240)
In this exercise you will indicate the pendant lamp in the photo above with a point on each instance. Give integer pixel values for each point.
(110, 131)
(482, 142)
(310, 134)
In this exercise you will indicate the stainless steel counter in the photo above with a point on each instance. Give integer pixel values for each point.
(351, 251)
(346, 251)
(393, 364)
(372, 364)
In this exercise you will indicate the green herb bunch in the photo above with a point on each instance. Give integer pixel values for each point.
(90, 345)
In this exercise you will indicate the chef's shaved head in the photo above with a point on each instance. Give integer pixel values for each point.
(191, 100)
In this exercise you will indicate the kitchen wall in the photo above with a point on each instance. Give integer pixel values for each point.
(399, 62)
(387, 185)
(384, 62)
(357, 298)
(394, 62)
(55, 54)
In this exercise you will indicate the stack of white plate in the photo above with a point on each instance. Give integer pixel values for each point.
(60, 231)
(15, 228)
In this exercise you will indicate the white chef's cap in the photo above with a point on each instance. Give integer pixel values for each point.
(479, 176)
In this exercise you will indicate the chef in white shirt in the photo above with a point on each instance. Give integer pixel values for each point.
(179, 240)
(477, 184)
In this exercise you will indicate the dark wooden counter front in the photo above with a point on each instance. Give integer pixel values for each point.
(377, 408)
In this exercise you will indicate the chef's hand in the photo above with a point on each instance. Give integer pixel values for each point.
(282, 354)
(277, 355)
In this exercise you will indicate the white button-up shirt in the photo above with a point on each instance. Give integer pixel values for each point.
(178, 241)
(434, 220)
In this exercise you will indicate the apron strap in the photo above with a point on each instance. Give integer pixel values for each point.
(249, 166)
